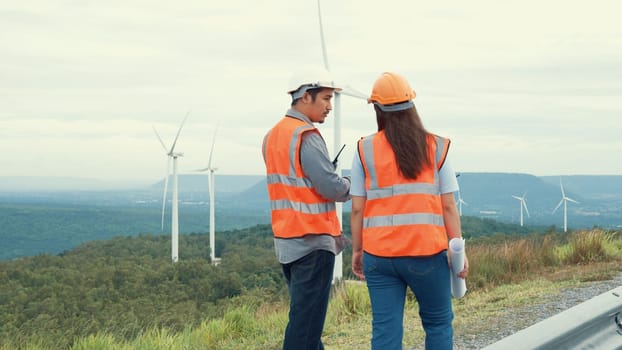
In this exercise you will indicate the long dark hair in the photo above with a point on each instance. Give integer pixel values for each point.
(408, 139)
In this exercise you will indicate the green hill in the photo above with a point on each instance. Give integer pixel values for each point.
(128, 284)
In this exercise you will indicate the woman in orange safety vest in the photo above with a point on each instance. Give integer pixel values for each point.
(403, 214)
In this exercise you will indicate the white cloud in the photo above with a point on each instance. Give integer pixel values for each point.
(524, 86)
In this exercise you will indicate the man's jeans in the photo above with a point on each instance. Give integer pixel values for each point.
(428, 278)
(309, 281)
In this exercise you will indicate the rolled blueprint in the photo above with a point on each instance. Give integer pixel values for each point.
(456, 257)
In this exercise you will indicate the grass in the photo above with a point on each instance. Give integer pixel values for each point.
(502, 276)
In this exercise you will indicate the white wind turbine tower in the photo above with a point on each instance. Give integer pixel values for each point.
(460, 200)
(565, 199)
(338, 270)
(212, 203)
(460, 203)
(523, 204)
(171, 154)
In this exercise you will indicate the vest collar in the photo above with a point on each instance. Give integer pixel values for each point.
(296, 114)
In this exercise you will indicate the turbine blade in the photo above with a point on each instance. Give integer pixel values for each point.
(572, 200)
(562, 187)
(350, 91)
(160, 139)
(516, 197)
(525, 206)
(209, 162)
(168, 171)
(324, 55)
(558, 205)
(179, 131)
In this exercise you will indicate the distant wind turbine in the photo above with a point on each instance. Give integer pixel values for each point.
(346, 90)
(171, 154)
(460, 203)
(565, 199)
(460, 200)
(212, 203)
(523, 204)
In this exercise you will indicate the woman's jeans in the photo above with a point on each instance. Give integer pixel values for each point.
(309, 281)
(428, 278)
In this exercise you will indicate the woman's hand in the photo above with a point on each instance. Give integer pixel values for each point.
(465, 271)
(357, 264)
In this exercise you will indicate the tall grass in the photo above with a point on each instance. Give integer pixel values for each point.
(588, 246)
(508, 262)
(350, 300)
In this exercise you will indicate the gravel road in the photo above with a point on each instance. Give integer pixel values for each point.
(513, 320)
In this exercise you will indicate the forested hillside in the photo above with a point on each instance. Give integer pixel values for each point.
(28, 229)
(128, 284)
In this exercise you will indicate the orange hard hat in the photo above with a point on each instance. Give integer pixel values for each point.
(391, 92)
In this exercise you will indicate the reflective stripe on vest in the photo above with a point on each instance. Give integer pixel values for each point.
(402, 217)
(296, 207)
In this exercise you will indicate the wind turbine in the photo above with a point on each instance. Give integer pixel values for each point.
(171, 154)
(460, 203)
(212, 189)
(523, 204)
(460, 200)
(346, 90)
(565, 199)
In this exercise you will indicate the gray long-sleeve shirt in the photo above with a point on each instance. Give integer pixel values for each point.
(318, 167)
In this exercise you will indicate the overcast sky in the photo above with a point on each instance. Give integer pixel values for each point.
(526, 86)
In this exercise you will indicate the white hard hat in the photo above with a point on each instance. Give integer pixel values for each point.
(310, 78)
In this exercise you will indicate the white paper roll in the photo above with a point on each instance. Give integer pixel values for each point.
(456, 256)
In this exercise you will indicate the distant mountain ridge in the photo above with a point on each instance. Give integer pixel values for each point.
(35, 221)
(187, 182)
(486, 195)
(223, 183)
(591, 186)
(490, 195)
(58, 183)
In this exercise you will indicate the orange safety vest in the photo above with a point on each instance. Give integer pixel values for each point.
(402, 217)
(297, 209)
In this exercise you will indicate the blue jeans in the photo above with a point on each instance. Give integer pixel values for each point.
(309, 281)
(428, 278)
